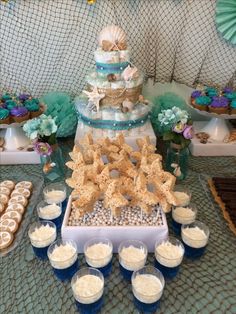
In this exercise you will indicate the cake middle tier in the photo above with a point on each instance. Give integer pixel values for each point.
(115, 91)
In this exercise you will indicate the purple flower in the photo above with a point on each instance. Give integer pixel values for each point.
(43, 149)
(179, 127)
(188, 132)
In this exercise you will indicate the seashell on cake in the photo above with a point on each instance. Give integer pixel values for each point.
(111, 38)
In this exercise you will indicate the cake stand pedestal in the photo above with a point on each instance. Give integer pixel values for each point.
(130, 138)
(15, 146)
(218, 128)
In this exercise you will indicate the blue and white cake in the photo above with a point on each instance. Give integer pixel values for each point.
(113, 100)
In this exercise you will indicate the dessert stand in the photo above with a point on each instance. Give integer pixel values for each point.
(16, 145)
(117, 234)
(218, 129)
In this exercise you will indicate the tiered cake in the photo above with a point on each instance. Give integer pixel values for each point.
(113, 102)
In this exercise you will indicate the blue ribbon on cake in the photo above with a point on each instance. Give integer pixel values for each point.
(111, 68)
(113, 124)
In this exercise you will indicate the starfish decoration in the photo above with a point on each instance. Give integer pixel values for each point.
(94, 96)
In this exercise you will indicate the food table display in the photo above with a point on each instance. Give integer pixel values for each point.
(199, 286)
(119, 203)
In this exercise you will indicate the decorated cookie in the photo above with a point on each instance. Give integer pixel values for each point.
(13, 214)
(3, 198)
(21, 191)
(24, 184)
(16, 206)
(18, 199)
(6, 239)
(8, 224)
(8, 184)
(5, 190)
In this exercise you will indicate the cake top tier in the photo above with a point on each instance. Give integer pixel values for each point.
(112, 38)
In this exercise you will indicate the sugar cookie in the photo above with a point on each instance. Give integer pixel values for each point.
(3, 199)
(6, 239)
(5, 190)
(18, 199)
(24, 184)
(12, 214)
(21, 191)
(16, 206)
(8, 225)
(8, 184)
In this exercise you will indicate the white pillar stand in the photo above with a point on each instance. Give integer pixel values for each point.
(217, 128)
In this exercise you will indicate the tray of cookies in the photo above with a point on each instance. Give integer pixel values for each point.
(17, 201)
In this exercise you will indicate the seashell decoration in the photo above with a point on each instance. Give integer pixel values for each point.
(128, 104)
(112, 38)
(130, 73)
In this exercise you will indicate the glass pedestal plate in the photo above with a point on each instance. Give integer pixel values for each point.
(218, 128)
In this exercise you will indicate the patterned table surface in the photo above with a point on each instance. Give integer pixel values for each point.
(208, 285)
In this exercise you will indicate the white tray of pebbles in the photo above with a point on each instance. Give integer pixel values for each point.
(131, 225)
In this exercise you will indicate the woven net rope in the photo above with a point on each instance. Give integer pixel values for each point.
(48, 45)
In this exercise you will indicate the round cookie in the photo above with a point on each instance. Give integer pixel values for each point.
(4, 199)
(5, 190)
(24, 184)
(8, 184)
(18, 199)
(12, 214)
(8, 225)
(21, 191)
(16, 207)
(6, 239)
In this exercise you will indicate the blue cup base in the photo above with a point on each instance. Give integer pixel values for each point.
(168, 272)
(176, 227)
(66, 273)
(91, 308)
(147, 308)
(41, 252)
(127, 274)
(193, 253)
(106, 270)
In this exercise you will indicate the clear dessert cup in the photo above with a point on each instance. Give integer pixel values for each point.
(168, 256)
(88, 286)
(183, 195)
(98, 254)
(183, 215)
(63, 258)
(132, 256)
(55, 193)
(50, 212)
(147, 286)
(42, 234)
(195, 237)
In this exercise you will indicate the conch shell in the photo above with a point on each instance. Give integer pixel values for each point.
(130, 73)
(112, 38)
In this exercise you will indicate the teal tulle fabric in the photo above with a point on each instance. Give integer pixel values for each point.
(162, 102)
(61, 106)
(226, 19)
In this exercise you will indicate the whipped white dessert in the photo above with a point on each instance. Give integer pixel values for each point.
(132, 258)
(63, 256)
(183, 215)
(98, 254)
(147, 288)
(168, 254)
(51, 211)
(88, 289)
(183, 198)
(194, 237)
(43, 236)
(55, 196)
